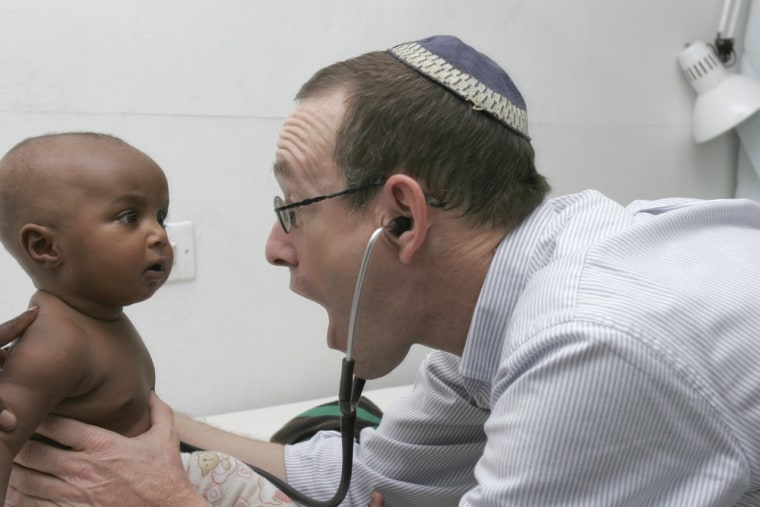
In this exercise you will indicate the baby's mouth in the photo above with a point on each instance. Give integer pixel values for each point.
(157, 267)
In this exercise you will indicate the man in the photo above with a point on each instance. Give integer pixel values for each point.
(586, 353)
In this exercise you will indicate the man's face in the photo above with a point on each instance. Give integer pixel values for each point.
(326, 244)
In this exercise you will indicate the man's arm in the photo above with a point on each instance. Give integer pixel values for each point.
(261, 454)
(587, 414)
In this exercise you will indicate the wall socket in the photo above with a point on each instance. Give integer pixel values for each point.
(182, 239)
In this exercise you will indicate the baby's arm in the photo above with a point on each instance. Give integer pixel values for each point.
(9, 331)
(44, 367)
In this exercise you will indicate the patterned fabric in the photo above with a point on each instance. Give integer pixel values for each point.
(225, 481)
(612, 360)
(470, 75)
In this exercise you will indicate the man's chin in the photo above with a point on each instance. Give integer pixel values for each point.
(337, 330)
(371, 370)
(335, 340)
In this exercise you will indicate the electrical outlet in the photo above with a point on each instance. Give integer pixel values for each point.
(182, 239)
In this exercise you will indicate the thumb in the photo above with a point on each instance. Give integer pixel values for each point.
(11, 329)
(7, 418)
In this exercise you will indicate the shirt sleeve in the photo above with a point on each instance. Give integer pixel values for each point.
(591, 416)
(423, 453)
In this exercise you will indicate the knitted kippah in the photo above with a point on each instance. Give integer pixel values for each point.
(469, 74)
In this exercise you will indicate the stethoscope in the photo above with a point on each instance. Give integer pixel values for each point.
(349, 392)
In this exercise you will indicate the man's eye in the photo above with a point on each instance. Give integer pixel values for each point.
(128, 217)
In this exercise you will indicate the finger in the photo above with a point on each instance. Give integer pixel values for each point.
(38, 458)
(7, 418)
(376, 500)
(25, 487)
(162, 427)
(75, 434)
(15, 498)
(11, 329)
(161, 418)
(160, 412)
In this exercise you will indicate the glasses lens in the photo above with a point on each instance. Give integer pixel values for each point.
(282, 215)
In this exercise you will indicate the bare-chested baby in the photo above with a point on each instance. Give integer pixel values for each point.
(83, 214)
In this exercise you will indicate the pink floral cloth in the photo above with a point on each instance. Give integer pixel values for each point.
(225, 481)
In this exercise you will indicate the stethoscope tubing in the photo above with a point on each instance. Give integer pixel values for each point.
(349, 392)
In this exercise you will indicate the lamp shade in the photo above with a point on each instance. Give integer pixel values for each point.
(724, 100)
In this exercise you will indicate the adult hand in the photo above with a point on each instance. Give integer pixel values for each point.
(376, 500)
(102, 467)
(11, 329)
(8, 332)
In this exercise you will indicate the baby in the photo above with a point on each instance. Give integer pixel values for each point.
(83, 214)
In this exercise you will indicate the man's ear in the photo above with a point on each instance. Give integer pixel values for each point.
(39, 245)
(409, 215)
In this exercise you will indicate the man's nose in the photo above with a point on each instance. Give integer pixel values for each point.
(279, 249)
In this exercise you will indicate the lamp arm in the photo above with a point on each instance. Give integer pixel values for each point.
(724, 40)
(724, 50)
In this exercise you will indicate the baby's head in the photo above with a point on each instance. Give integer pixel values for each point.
(83, 213)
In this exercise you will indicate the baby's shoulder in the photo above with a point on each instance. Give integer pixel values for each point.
(57, 329)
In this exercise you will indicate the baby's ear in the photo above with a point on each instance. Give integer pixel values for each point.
(38, 244)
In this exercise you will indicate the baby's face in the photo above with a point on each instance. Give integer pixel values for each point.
(114, 245)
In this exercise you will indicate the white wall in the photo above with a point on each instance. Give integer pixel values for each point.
(203, 87)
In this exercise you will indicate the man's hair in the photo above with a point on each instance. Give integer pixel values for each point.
(398, 121)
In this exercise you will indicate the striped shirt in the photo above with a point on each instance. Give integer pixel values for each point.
(613, 359)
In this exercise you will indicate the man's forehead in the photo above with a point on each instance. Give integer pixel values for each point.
(310, 180)
(314, 173)
(282, 169)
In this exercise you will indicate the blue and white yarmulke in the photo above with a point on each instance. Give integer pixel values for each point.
(470, 74)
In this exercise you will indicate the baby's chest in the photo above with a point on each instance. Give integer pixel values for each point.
(115, 393)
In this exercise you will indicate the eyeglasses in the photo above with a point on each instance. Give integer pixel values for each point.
(286, 212)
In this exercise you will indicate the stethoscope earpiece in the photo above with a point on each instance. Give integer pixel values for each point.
(399, 225)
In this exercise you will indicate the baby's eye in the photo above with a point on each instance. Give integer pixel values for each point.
(127, 217)
(161, 217)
